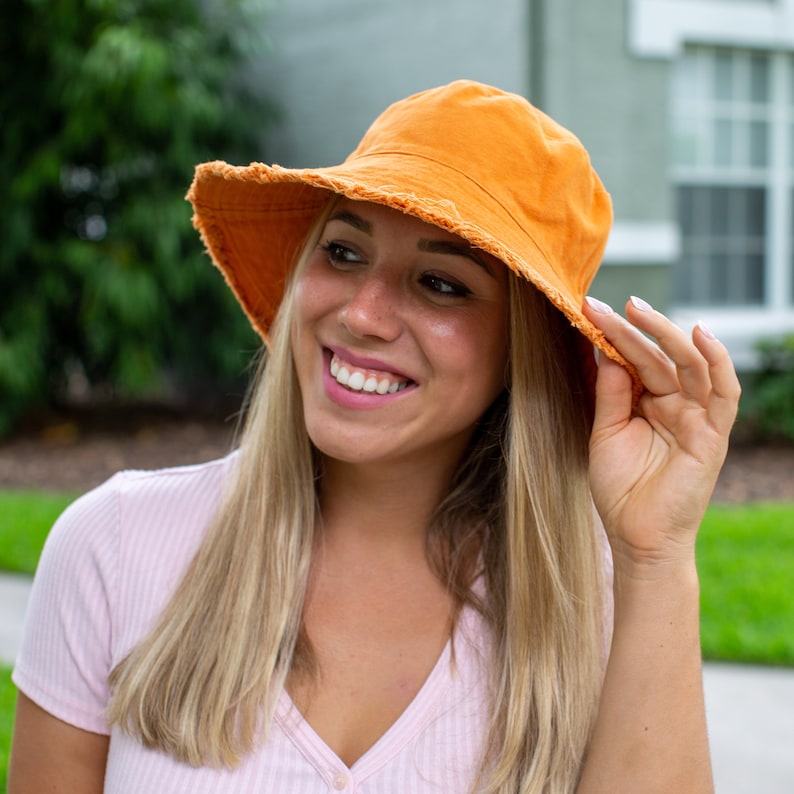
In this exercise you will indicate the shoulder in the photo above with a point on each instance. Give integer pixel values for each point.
(163, 487)
(108, 567)
(134, 536)
(163, 515)
(139, 506)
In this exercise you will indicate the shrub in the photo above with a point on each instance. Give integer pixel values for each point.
(106, 107)
(770, 398)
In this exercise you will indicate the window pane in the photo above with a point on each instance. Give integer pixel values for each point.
(684, 200)
(758, 143)
(723, 142)
(759, 78)
(790, 81)
(723, 76)
(754, 280)
(723, 252)
(791, 145)
(718, 279)
(723, 134)
(719, 211)
(685, 141)
(685, 78)
(754, 212)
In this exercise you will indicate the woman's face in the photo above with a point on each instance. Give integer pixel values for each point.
(399, 337)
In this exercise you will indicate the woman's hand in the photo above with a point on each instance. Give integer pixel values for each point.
(652, 472)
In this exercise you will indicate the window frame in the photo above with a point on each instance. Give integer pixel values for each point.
(741, 325)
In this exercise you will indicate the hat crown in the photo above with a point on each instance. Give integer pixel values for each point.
(534, 168)
(454, 122)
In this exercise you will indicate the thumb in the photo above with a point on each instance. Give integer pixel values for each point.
(613, 395)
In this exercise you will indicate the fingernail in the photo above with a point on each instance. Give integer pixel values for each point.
(705, 330)
(640, 304)
(599, 306)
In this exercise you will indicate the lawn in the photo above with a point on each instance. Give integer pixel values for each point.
(7, 701)
(746, 564)
(25, 519)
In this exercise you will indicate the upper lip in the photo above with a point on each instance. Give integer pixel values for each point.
(365, 362)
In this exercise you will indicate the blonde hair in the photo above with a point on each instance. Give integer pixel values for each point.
(549, 626)
(207, 677)
(203, 685)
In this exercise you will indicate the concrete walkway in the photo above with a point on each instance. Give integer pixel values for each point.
(14, 592)
(750, 713)
(750, 710)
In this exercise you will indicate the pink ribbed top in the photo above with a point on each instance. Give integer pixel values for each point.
(109, 567)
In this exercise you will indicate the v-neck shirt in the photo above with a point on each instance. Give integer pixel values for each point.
(109, 567)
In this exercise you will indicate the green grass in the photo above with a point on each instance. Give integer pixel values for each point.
(25, 519)
(8, 697)
(746, 564)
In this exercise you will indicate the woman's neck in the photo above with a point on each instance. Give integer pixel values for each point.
(387, 507)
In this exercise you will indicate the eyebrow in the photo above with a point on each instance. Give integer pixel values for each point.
(448, 247)
(453, 248)
(356, 221)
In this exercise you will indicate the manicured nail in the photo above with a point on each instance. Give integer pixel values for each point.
(640, 304)
(705, 330)
(599, 306)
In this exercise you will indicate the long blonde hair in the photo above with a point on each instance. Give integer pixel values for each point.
(203, 685)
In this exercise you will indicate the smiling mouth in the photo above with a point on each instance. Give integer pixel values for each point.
(365, 380)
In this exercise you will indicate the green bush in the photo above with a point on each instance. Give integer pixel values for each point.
(106, 107)
(769, 403)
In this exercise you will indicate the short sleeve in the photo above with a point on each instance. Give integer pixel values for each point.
(64, 660)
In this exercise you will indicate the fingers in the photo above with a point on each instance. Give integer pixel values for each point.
(698, 367)
(614, 395)
(725, 387)
(672, 364)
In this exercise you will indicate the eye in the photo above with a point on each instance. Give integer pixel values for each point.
(443, 286)
(340, 255)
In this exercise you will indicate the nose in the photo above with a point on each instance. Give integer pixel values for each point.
(372, 309)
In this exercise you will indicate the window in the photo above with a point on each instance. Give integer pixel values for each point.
(733, 170)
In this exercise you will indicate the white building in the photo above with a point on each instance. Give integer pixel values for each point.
(686, 106)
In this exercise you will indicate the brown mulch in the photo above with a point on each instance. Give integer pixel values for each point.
(75, 453)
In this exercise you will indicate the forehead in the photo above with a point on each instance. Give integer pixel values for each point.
(380, 214)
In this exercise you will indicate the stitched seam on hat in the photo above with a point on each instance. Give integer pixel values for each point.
(470, 179)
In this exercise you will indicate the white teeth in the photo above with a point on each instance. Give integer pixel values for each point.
(358, 380)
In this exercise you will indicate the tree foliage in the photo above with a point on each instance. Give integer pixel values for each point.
(106, 106)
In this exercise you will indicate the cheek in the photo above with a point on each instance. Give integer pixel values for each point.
(306, 295)
(476, 347)
(315, 296)
(307, 308)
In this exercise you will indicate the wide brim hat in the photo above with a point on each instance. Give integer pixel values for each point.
(476, 161)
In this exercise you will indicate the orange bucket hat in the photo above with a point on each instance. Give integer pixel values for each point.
(481, 163)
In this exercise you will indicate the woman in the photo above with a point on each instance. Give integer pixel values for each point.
(399, 581)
